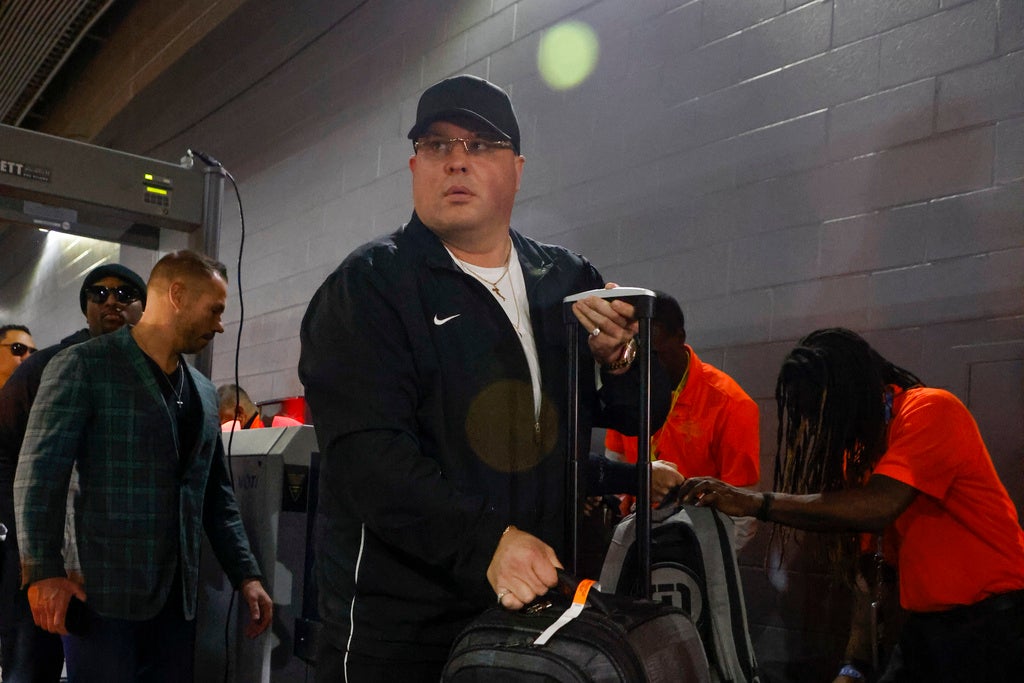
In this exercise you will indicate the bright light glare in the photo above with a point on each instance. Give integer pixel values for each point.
(567, 55)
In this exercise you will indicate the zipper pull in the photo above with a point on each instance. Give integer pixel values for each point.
(536, 433)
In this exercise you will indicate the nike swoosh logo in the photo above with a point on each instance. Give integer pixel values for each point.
(442, 321)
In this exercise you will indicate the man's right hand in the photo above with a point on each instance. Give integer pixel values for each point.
(664, 477)
(522, 568)
(49, 599)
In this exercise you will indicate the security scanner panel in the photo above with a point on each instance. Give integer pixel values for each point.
(275, 472)
(59, 184)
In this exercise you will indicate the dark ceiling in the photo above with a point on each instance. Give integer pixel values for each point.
(44, 45)
(157, 77)
(152, 77)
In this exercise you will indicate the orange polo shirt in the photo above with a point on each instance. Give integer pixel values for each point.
(711, 430)
(232, 425)
(959, 541)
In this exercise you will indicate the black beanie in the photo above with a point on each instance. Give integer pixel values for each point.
(128, 275)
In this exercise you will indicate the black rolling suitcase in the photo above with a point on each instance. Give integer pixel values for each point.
(591, 636)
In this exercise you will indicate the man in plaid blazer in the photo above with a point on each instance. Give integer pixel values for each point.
(142, 427)
(111, 296)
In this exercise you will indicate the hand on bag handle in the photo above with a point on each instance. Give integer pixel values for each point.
(568, 585)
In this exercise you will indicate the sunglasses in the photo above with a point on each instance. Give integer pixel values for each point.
(123, 295)
(18, 349)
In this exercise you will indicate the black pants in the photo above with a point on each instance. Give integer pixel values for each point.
(30, 654)
(980, 643)
(157, 650)
(333, 666)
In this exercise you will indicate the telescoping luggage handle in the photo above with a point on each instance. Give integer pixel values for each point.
(643, 303)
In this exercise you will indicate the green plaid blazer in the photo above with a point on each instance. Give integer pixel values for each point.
(140, 508)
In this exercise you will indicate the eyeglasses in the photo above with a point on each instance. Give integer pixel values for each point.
(18, 349)
(123, 295)
(437, 149)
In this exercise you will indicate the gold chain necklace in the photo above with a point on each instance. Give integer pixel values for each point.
(515, 301)
(493, 283)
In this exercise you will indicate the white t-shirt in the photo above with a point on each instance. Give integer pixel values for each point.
(508, 287)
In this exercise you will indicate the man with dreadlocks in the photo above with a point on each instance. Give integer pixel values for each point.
(863, 445)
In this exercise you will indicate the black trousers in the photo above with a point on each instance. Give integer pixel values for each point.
(980, 643)
(157, 650)
(30, 654)
(333, 666)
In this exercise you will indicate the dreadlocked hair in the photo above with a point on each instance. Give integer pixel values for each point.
(831, 397)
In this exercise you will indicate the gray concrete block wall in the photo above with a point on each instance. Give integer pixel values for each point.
(778, 165)
(981, 94)
(856, 19)
(939, 43)
(883, 120)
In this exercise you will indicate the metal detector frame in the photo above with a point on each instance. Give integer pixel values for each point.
(52, 183)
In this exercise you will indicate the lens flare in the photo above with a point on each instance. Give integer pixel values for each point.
(567, 55)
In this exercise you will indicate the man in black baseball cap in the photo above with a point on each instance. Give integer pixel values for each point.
(111, 296)
(468, 97)
(444, 444)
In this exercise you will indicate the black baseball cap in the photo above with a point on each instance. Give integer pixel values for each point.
(123, 273)
(467, 96)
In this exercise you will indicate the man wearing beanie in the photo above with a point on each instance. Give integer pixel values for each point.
(434, 361)
(111, 296)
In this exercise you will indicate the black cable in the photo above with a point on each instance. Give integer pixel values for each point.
(210, 161)
(238, 346)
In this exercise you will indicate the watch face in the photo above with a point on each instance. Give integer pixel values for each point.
(625, 358)
(629, 353)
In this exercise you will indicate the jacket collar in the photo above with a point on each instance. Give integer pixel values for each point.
(123, 340)
(77, 338)
(534, 262)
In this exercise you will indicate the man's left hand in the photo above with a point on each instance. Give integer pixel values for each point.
(612, 319)
(261, 607)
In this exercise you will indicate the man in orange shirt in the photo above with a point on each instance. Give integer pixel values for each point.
(712, 428)
(237, 411)
(864, 446)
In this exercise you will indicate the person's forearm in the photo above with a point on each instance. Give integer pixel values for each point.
(835, 511)
(605, 476)
(868, 508)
